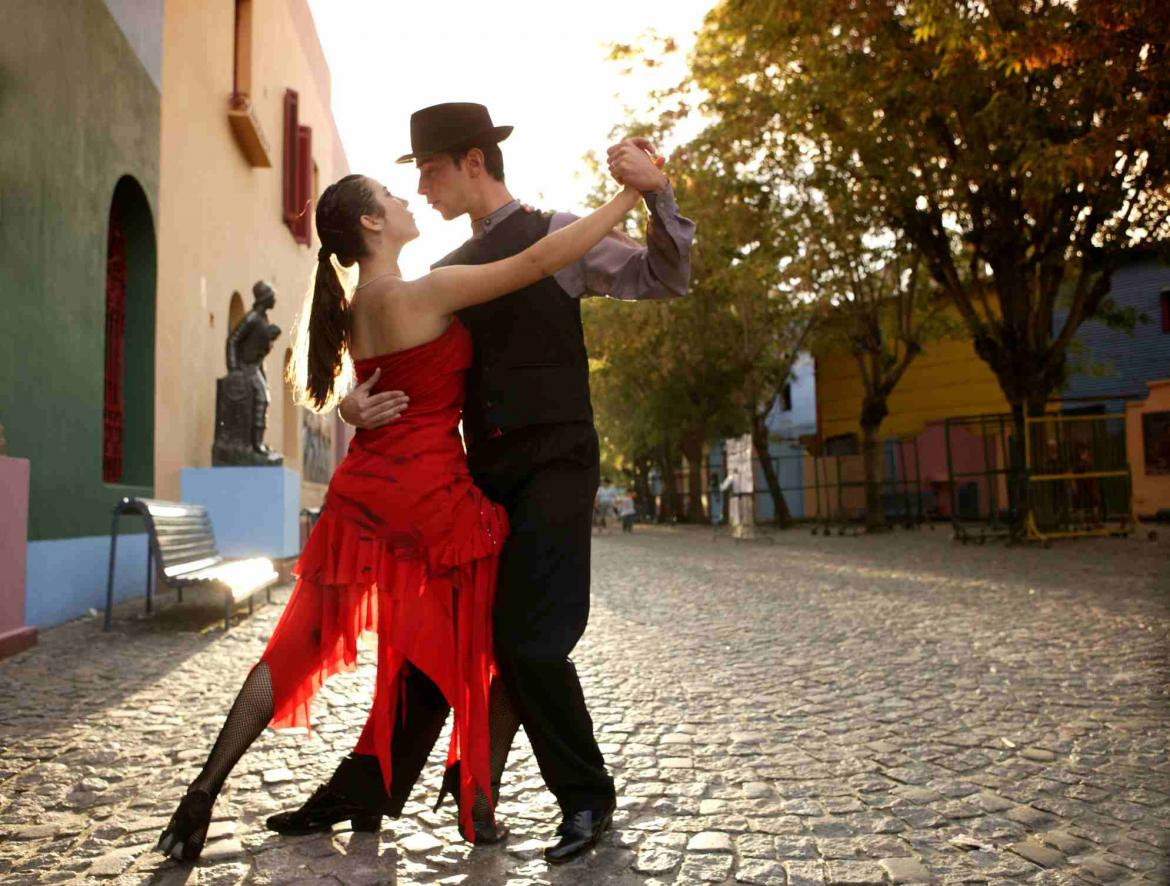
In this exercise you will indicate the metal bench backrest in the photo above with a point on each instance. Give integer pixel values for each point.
(181, 534)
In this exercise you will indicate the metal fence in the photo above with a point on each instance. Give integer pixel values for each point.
(827, 491)
(983, 467)
(1079, 481)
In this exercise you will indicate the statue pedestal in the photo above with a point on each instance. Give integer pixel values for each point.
(15, 635)
(254, 510)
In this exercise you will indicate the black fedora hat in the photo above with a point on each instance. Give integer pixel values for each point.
(450, 126)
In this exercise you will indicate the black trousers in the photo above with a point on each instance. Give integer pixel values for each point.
(546, 477)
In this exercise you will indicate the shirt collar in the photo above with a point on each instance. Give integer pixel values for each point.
(483, 226)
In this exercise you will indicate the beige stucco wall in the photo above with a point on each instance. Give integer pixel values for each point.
(220, 227)
(1151, 492)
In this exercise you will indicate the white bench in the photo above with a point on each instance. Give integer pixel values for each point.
(182, 546)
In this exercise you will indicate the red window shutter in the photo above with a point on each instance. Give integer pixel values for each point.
(302, 226)
(113, 410)
(289, 171)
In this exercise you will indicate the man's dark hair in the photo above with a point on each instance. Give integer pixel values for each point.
(493, 159)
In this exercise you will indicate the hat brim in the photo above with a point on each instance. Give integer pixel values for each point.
(495, 134)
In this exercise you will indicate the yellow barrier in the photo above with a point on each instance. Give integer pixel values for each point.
(1079, 482)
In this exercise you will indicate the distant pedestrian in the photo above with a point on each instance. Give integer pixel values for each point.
(603, 505)
(626, 510)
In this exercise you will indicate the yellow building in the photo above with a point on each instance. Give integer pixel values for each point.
(946, 380)
(247, 135)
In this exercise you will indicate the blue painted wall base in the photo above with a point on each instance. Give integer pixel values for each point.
(67, 576)
(254, 510)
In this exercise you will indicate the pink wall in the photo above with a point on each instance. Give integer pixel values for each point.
(14, 634)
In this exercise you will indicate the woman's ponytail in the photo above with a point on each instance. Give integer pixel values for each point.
(321, 350)
(328, 332)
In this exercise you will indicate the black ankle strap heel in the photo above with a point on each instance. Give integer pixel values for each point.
(487, 831)
(186, 832)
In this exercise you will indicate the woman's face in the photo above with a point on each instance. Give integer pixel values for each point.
(399, 225)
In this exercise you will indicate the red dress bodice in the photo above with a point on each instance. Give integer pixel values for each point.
(408, 481)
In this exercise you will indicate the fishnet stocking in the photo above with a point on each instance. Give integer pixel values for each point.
(502, 725)
(250, 713)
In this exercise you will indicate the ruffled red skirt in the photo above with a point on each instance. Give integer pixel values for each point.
(429, 607)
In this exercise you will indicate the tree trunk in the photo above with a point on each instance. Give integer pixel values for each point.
(1019, 469)
(693, 453)
(871, 452)
(873, 412)
(642, 488)
(781, 518)
(668, 506)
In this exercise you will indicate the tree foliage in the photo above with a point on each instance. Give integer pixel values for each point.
(1021, 147)
(668, 378)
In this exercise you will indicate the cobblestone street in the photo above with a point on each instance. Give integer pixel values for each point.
(836, 710)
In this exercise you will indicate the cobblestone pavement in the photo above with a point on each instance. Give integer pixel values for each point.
(843, 710)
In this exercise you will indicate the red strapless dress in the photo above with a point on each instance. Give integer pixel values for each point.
(407, 547)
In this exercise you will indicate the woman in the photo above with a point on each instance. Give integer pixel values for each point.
(406, 545)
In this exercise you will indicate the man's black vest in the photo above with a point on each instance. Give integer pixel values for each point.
(530, 365)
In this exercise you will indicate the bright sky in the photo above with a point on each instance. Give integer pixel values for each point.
(539, 66)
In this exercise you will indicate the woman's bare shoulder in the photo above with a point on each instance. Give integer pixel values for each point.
(391, 317)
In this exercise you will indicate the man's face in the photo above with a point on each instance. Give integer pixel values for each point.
(444, 185)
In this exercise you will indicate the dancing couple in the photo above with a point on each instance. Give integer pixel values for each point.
(469, 559)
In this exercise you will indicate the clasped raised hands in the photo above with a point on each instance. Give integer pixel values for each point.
(634, 163)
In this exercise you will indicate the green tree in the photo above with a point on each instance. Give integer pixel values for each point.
(876, 301)
(1021, 147)
(710, 364)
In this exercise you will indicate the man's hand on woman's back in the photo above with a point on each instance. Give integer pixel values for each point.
(362, 409)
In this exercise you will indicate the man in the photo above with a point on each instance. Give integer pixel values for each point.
(532, 447)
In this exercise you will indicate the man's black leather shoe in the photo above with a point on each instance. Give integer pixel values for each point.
(579, 833)
(321, 811)
(355, 791)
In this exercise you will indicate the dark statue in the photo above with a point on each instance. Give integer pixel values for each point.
(241, 397)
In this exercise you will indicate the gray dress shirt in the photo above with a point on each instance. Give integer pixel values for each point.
(618, 266)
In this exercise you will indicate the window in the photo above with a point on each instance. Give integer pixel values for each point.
(113, 409)
(242, 71)
(1156, 441)
(842, 444)
(245, 127)
(786, 398)
(1165, 310)
(128, 389)
(298, 171)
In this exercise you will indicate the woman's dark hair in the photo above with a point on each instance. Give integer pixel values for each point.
(318, 358)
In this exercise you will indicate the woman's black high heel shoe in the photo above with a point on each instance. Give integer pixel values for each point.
(186, 832)
(487, 829)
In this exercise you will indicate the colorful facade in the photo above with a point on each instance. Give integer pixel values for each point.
(1110, 370)
(1130, 371)
(147, 186)
(81, 179)
(222, 221)
(946, 380)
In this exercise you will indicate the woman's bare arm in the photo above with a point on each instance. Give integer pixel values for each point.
(450, 289)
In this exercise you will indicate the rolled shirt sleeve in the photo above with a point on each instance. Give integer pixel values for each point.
(620, 267)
